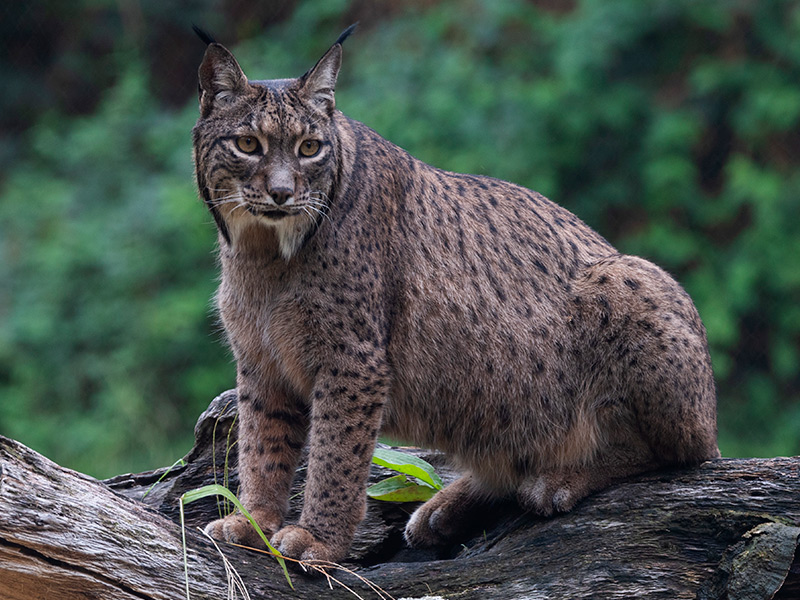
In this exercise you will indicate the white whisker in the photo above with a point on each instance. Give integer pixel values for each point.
(322, 213)
(308, 214)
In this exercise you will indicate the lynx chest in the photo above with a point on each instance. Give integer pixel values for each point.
(268, 325)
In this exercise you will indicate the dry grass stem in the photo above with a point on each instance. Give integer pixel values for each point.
(322, 566)
(235, 583)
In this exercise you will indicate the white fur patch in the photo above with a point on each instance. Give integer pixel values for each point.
(291, 233)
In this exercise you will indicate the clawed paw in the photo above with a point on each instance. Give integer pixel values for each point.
(296, 542)
(551, 493)
(421, 529)
(443, 518)
(237, 529)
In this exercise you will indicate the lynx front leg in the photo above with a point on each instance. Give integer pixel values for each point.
(346, 416)
(272, 431)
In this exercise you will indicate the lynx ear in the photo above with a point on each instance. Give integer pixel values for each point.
(221, 77)
(319, 83)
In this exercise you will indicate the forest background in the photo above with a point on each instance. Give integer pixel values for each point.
(670, 126)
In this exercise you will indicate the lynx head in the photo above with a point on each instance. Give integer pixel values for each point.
(266, 152)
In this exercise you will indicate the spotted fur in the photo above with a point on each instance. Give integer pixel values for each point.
(363, 291)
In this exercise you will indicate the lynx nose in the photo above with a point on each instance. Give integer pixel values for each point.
(281, 195)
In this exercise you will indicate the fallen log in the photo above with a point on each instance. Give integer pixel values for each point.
(727, 529)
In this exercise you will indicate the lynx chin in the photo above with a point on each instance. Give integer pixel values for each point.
(364, 291)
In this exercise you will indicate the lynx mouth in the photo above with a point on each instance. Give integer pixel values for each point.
(269, 213)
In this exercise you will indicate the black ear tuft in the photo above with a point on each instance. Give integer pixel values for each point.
(204, 35)
(346, 33)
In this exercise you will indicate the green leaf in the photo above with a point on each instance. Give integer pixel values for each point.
(218, 490)
(408, 464)
(399, 489)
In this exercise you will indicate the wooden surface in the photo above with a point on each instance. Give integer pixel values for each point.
(725, 530)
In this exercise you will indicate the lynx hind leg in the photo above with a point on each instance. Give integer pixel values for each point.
(656, 351)
(677, 416)
(552, 492)
(622, 454)
(447, 515)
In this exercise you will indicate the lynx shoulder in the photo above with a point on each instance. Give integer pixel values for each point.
(364, 291)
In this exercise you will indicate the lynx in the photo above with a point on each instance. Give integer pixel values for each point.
(364, 291)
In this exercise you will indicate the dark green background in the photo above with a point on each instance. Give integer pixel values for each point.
(671, 126)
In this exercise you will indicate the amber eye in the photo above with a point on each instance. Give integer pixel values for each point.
(247, 143)
(309, 148)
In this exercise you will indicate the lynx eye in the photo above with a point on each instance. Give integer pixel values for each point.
(247, 144)
(310, 148)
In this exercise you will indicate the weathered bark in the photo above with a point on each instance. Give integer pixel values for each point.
(725, 530)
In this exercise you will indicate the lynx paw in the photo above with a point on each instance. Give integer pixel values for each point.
(296, 542)
(552, 492)
(236, 529)
(429, 526)
(445, 516)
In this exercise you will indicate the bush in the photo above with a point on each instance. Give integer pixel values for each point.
(668, 125)
(109, 348)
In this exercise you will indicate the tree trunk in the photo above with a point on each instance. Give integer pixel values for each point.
(725, 530)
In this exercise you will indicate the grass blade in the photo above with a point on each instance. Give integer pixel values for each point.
(178, 462)
(218, 490)
(185, 558)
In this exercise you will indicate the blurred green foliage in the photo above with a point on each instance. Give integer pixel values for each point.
(671, 126)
